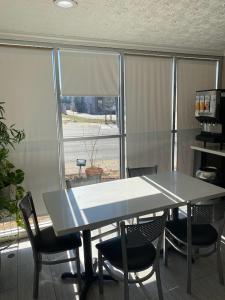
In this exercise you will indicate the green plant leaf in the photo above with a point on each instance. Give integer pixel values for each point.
(9, 136)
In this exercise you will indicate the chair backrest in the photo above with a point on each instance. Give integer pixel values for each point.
(144, 232)
(28, 211)
(138, 235)
(202, 213)
(68, 184)
(141, 171)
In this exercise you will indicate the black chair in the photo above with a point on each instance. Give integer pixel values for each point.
(46, 242)
(133, 251)
(190, 236)
(141, 171)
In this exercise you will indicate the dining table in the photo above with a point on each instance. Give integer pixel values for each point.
(86, 208)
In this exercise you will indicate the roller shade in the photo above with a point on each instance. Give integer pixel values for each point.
(148, 83)
(89, 73)
(192, 75)
(26, 85)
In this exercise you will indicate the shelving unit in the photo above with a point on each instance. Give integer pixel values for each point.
(210, 156)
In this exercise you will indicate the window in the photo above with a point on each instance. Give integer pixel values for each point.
(192, 75)
(90, 116)
(148, 87)
(81, 155)
(158, 102)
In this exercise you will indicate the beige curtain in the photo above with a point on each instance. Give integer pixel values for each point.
(148, 83)
(89, 73)
(192, 75)
(27, 87)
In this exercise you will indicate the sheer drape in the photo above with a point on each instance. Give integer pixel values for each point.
(148, 83)
(27, 87)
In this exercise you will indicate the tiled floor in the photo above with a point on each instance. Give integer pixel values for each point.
(16, 279)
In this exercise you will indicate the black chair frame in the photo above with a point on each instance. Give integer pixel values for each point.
(196, 214)
(151, 231)
(28, 211)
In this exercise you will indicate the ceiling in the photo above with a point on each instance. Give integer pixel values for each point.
(180, 25)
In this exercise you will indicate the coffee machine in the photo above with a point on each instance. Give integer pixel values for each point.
(210, 112)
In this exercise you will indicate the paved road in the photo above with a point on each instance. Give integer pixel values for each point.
(72, 129)
(107, 149)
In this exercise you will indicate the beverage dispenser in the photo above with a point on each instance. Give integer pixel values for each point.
(210, 112)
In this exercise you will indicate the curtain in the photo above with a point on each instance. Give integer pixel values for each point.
(89, 73)
(148, 83)
(192, 75)
(27, 87)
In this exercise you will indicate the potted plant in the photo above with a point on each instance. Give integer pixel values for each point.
(11, 178)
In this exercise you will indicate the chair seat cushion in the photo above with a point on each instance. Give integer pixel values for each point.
(138, 258)
(202, 234)
(48, 242)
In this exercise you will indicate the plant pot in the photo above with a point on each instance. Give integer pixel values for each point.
(94, 173)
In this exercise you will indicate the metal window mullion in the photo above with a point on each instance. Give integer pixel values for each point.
(219, 65)
(174, 115)
(122, 117)
(59, 118)
(89, 138)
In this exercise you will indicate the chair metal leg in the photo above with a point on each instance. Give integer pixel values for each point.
(36, 280)
(219, 264)
(78, 270)
(99, 233)
(100, 271)
(126, 286)
(165, 250)
(40, 262)
(158, 281)
(118, 228)
(189, 248)
(189, 266)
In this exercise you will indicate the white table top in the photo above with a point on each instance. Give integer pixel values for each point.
(93, 206)
(185, 188)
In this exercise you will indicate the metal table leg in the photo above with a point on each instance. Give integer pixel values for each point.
(89, 276)
(175, 214)
(189, 247)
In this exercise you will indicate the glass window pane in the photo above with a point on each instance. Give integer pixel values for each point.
(99, 153)
(89, 116)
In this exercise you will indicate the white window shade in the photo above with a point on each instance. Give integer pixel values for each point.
(27, 87)
(148, 84)
(192, 75)
(89, 73)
